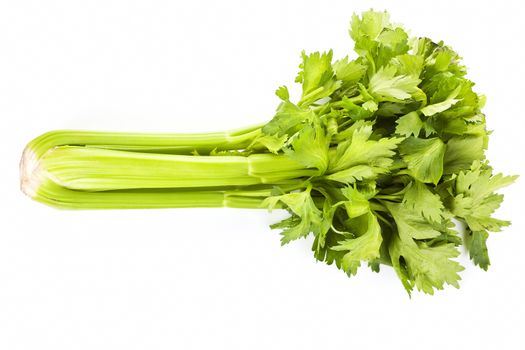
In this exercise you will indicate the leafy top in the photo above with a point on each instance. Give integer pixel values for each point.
(398, 140)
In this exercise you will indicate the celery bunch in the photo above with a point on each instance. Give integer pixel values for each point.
(375, 160)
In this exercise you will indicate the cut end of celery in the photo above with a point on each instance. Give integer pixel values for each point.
(30, 180)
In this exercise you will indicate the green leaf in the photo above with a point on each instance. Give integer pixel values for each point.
(273, 143)
(317, 77)
(360, 150)
(316, 70)
(356, 204)
(385, 85)
(393, 42)
(325, 226)
(443, 105)
(424, 158)
(362, 248)
(474, 198)
(423, 267)
(479, 182)
(411, 65)
(409, 124)
(310, 147)
(418, 261)
(288, 119)
(282, 93)
(306, 216)
(476, 242)
(411, 224)
(462, 151)
(366, 29)
(349, 72)
(355, 173)
(376, 39)
(420, 198)
(370, 25)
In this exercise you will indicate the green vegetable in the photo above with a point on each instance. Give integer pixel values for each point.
(376, 159)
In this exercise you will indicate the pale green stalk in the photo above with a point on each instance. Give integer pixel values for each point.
(72, 169)
(94, 169)
(142, 142)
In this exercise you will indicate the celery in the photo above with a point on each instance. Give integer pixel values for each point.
(374, 160)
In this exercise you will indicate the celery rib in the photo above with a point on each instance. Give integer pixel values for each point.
(142, 142)
(93, 169)
(70, 169)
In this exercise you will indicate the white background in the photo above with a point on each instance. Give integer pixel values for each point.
(218, 278)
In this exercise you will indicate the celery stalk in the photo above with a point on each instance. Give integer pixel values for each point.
(78, 169)
(94, 169)
(142, 142)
